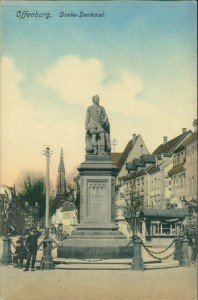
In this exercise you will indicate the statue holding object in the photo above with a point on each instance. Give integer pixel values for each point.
(97, 129)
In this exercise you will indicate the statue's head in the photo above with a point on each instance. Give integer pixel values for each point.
(95, 99)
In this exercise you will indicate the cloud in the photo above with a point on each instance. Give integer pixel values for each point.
(28, 127)
(76, 80)
(23, 137)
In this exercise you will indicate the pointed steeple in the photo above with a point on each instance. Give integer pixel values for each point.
(61, 167)
(61, 182)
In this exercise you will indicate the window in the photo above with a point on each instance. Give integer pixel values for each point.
(182, 180)
(189, 185)
(193, 184)
(155, 184)
(174, 182)
(177, 182)
(165, 228)
(152, 185)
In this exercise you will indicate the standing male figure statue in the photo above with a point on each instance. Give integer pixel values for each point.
(98, 129)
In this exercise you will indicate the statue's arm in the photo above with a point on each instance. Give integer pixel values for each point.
(87, 120)
(105, 118)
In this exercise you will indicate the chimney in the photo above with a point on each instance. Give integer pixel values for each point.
(134, 136)
(165, 139)
(184, 130)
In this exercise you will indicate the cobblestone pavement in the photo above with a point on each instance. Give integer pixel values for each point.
(61, 284)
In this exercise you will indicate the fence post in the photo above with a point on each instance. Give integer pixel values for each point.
(184, 259)
(177, 252)
(6, 257)
(137, 262)
(193, 251)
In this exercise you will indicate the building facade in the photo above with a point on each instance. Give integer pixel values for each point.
(152, 180)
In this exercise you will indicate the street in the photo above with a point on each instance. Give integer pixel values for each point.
(166, 284)
(63, 283)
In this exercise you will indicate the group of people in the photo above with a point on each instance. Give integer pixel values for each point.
(27, 251)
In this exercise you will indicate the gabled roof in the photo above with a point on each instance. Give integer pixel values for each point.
(188, 141)
(135, 174)
(115, 157)
(163, 213)
(126, 152)
(148, 158)
(170, 146)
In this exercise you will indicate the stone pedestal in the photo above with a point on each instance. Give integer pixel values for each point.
(6, 257)
(97, 234)
(47, 261)
(177, 253)
(184, 258)
(137, 263)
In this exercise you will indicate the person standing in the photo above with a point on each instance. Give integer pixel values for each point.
(32, 247)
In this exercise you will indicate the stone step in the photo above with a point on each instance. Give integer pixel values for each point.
(92, 266)
(69, 261)
(162, 265)
(110, 264)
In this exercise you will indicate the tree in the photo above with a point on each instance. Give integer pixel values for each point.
(32, 191)
(52, 206)
(133, 205)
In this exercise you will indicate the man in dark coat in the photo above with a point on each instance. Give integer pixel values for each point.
(19, 255)
(32, 247)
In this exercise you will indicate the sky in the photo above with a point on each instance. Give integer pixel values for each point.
(139, 57)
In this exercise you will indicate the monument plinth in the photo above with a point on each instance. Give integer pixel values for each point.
(97, 235)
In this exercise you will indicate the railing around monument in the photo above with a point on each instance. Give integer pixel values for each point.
(179, 253)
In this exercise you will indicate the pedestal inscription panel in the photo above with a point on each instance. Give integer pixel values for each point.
(97, 204)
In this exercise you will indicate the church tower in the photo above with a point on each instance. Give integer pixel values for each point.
(61, 182)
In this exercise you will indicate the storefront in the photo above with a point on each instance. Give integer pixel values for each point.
(161, 223)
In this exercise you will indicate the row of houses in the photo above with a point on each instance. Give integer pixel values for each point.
(10, 211)
(165, 180)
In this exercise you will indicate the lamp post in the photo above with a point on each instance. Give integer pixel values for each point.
(47, 263)
(36, 210)
(6, 257)
(60, 231)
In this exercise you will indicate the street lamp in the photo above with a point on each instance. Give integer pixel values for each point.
(36, 210)
(47, 262)
(60, 231)
(6, 257)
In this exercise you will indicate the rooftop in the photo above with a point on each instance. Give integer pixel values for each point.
(177, 169)
(115, 156)
(163, 213)
(126, 152)
(170, 146)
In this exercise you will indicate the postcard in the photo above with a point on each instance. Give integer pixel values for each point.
(138, 60)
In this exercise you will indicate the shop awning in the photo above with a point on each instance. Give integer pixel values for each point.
(175, 213)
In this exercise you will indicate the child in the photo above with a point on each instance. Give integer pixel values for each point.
(19, 255)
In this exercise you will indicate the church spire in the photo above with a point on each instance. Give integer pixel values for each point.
(61, 167)
(61, 182)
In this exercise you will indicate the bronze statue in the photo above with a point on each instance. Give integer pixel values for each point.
(97, 129)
